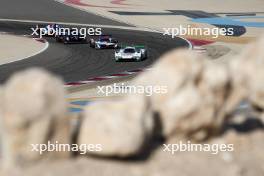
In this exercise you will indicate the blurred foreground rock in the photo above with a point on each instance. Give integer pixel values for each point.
(193, 107)
(206, 103)
(33, 112)
(248, 74)
(121, 127)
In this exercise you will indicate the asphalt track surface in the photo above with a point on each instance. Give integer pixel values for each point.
(74, 62)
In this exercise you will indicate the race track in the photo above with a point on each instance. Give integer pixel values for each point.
(76, 62)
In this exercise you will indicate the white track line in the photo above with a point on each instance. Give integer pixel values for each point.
(199, 49)
(31, 55)
(34, 54)
(78, 24)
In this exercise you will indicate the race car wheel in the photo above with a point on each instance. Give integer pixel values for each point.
(92, 44)
(96, 47)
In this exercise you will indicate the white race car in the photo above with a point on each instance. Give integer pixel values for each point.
(136, 53)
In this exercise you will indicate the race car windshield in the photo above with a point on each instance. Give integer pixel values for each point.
(104, 40)
(113, 40)
(130, 50)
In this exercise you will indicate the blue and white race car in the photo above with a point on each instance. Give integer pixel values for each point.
(136, 53)
(104, 42)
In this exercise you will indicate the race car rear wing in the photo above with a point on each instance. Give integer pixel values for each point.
(136, 46)
(140, 47)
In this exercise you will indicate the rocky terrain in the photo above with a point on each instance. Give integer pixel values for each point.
(206, 103)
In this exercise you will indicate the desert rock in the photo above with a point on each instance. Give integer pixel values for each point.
(33, 112)
(121, 128)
